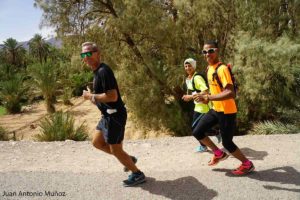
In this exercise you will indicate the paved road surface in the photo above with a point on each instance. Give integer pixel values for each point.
(75, 170)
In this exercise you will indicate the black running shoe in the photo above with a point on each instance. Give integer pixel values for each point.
(134, 179)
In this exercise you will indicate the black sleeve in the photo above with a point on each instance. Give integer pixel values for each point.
(108, 80)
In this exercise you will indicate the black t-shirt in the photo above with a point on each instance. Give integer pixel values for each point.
(104, 80)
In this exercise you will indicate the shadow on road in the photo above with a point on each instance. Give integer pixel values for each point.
(282, 175)
(181, 188)
(253, 154)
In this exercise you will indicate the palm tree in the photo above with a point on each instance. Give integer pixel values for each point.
(46, 80)
(13, 52)
(11, 93)
(39, 48)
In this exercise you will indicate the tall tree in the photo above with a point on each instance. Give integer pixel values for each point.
(46, 80)
(269, 19)
(39, 48)
(146, 41)
(13, 52)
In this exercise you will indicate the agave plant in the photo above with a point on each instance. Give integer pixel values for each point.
(60, 126)
(11, 93)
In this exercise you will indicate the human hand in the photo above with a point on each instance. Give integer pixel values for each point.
(201, 98)
(198, 97)
(87, 95)
(187, 97)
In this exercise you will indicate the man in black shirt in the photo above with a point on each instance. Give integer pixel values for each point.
(110, 129)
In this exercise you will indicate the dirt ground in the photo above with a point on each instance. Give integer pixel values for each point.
(26, 124)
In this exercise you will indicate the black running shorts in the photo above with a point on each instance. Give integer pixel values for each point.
(113, 127)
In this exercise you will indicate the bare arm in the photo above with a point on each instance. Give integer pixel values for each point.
(109, 96)
(227, 93)
(190, 97)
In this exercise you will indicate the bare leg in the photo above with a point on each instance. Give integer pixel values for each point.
(123, 157)
(239, 155)
(99, 142)
(206, 141)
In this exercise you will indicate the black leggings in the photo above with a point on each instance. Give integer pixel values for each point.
(226, 123)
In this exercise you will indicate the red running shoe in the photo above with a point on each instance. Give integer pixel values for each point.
(243, 169)
(215, 160)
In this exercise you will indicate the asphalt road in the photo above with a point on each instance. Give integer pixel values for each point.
(75, 170)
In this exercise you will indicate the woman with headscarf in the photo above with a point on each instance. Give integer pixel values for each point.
(196, 84)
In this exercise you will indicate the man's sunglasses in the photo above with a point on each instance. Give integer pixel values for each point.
(209, 51)
(87, 54)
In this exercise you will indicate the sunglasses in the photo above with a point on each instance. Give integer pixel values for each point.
(209, 51)
(87, 54)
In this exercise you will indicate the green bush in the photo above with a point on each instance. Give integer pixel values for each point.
(67, 95)
(273, 127)
(46, 80)
(2, 110)
(12, 93)
(80, 81)
(3, 134)
(268, 76)
(60, 126)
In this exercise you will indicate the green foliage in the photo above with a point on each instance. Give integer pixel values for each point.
(6, 71)
(269, 20)
(273, 127)
(268, 75)
(46, 79)
(60, 126)
(3, 134)
(145, 42)
(67, 94)
(13, 53)
(163, 110)
(289, 116)
(39, 48)
(80, 81)
(11, 93)
(2, 110)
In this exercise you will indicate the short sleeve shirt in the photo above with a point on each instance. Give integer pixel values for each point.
(227, 106)
(199, 85)
(104, 80)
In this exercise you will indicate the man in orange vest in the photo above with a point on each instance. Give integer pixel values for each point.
(223, 112)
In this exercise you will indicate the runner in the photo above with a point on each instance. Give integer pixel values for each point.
(223, 112)
(196, 83)
(110, 129)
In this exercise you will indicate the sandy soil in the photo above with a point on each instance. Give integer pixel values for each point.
(25, 124)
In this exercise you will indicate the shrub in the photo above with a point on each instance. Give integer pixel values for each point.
(11, 93)
(273, 127)
(46, 80)
(80, 81)
(2, 110)
(67, 95)
(268, 76)
(60, 126)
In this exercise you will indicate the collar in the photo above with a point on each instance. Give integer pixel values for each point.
(100, 65)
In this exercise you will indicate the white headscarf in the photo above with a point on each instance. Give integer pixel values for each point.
(191, 61)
